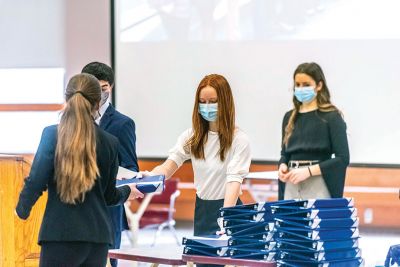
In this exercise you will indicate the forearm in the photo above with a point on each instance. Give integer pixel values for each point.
(168, 168)
(232, 192)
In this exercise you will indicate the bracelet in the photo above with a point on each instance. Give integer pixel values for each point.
(309, 171)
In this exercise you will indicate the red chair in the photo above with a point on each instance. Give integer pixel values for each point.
(160, 212)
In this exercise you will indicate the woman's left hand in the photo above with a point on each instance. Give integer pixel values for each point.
(296, 176)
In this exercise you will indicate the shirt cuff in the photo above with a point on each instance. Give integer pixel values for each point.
(125, 192)
(21, 212)
(234, 178)
(283, 159)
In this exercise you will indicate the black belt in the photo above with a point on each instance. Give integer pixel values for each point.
(301, 163)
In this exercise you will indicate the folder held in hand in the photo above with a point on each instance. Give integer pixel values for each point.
(147, 184)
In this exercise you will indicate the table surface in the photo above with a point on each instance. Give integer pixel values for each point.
(152, 255)
(175, 257)
(227, 261)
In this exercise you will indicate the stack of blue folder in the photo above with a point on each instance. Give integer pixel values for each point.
(249, 234)
(317, 232)
(251, 230)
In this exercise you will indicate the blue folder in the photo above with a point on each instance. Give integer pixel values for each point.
(261, 211)
(249, 228)
(234, 211)
(316, 203)
(206, 251)
(245, 251)
(238, 241)
(320, 234)
(313, 245)
(260, 206)
(253, 245)
(263, 255)
(211, 241)
(324, 213)
(234, 222)
(256, 216)
(265, 236)
(147, 184)
(307, 223)
(292, 254)
(356, 262)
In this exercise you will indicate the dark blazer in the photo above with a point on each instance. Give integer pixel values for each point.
(87, 221)
(123, 128)
(318, 135)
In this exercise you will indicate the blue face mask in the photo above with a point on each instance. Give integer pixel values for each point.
(304, 94)
(209, 112)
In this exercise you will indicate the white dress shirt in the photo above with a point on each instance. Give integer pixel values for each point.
(102, 110)
(211, 174)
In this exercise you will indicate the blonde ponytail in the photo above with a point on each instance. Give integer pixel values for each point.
(75, 161)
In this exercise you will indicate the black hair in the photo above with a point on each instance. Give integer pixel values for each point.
(101, 71)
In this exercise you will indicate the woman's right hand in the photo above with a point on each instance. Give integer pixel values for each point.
(135, 193)
(283, 170)
(142, 174)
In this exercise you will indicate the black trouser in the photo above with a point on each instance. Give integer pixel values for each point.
(73, 254)
(117, 244)
(206, 214)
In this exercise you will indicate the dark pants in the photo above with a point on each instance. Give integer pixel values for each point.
(206, 214)
(73, 254)
(119, 224)
(117, 244)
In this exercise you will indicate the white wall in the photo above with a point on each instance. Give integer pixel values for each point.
(56, 35)
(32, 33)
(87, 31)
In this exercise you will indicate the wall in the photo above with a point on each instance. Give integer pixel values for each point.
(54, 33)
(32, 33)
(87, 32)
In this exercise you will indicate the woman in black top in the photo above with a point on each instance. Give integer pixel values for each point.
(315, 152)
(77, 163)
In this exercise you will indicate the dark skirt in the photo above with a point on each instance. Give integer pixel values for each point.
(206, 214)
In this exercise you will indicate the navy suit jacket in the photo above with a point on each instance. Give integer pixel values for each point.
(87, 221)
(123, 128)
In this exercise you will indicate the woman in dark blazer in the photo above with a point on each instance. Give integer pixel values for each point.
(77, 163)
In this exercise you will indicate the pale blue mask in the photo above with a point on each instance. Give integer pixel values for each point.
(209, 112)
(304, 94)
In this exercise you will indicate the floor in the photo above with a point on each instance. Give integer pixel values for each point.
(374, 242)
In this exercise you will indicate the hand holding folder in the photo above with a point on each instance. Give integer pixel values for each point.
(147, 184)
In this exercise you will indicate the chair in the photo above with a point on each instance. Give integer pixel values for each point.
(160, 211)
(393, 256)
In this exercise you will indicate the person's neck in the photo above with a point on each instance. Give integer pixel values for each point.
(311, 106)
(213, 126)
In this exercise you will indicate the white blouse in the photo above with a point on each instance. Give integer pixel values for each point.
(211, 174)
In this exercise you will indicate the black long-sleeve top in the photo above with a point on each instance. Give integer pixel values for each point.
(87, 221)
(318, 136)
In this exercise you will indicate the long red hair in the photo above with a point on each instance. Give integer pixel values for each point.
(226, 118)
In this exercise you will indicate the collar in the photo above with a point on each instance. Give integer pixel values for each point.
(102, 110)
